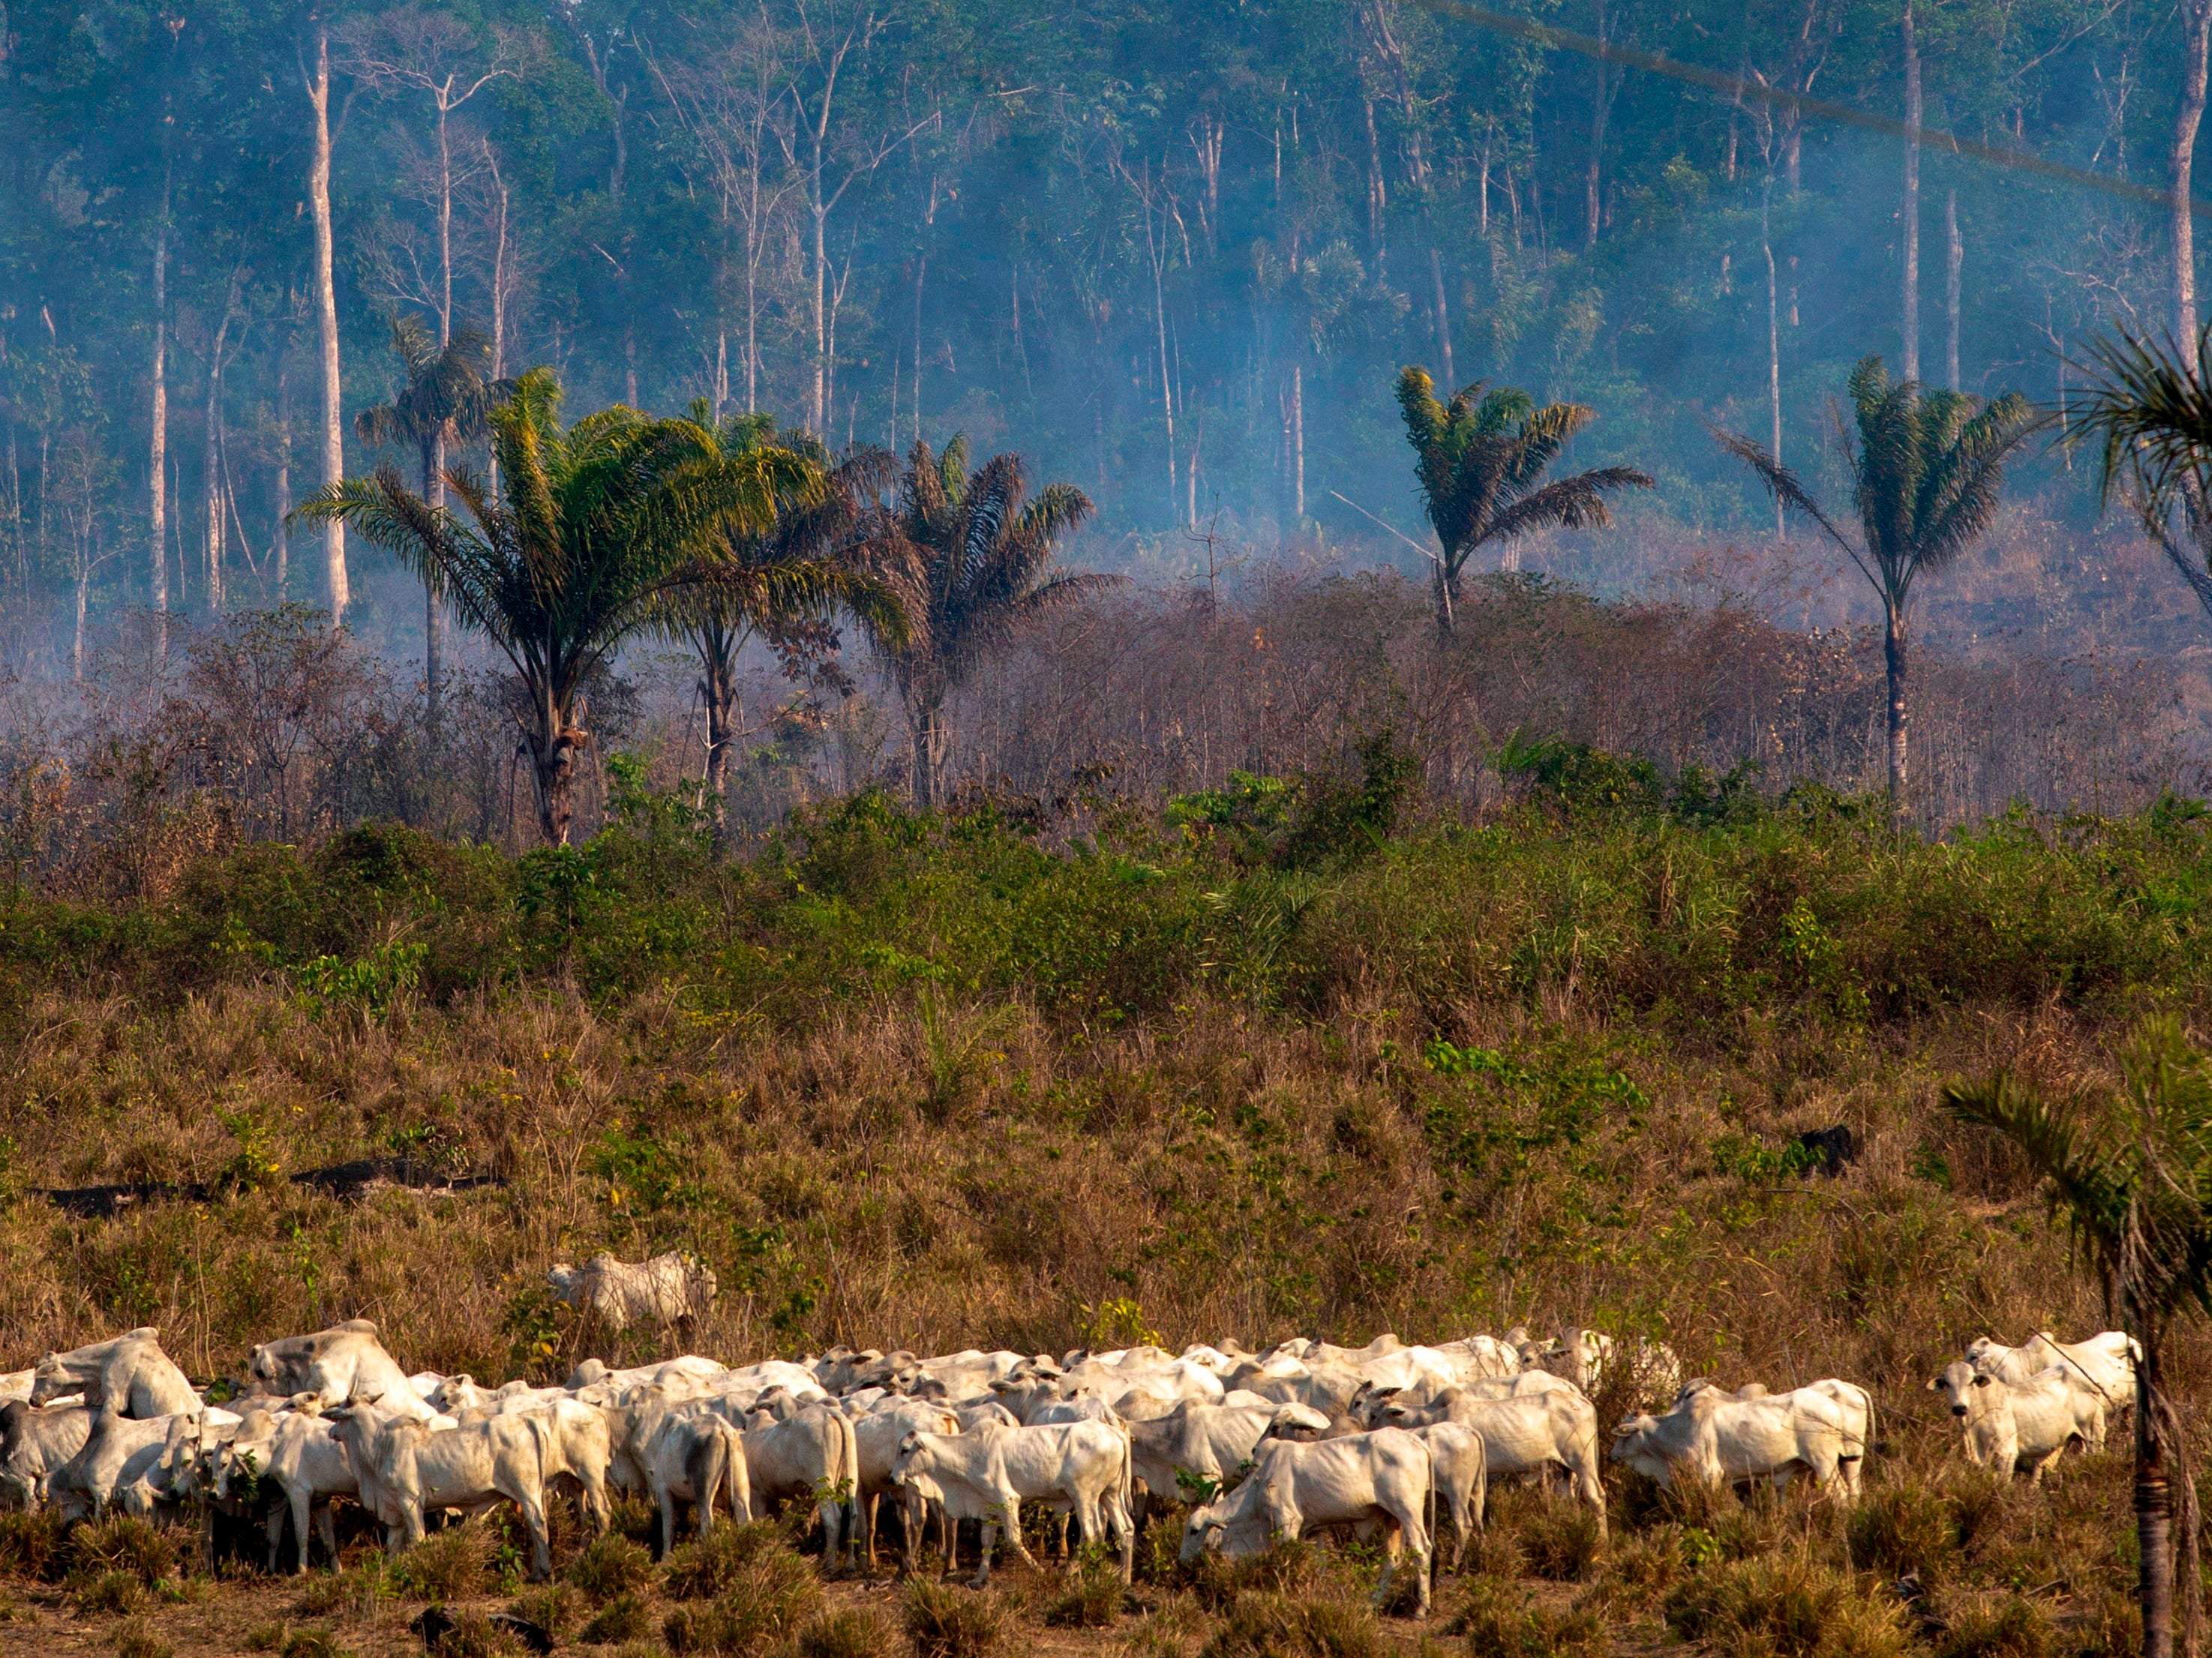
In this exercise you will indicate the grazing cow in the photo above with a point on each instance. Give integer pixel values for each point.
(404, 1468)
(692, 1454)
(1589, 1359)
(16, 1385)
(125, 1460)
(345, 1364)
(1080, 1466)
(2009, 1425)
(1384, 1476)
(1714, 1437)
(1523, 1433)
(811, 1457)
(300, 1454)
(1368, 1404)
(669, 1291)
(34, 1441)
(129, 1374)
(1481, 1358)
(1460, 1471)
(877, 1437)
(1206, 1444)
(579, 1450)
(2104, 1363)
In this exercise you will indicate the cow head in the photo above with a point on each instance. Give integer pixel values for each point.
(563, 1279)
(1203, 1531)
(1635, 1444)
(1963, 1388)
(1297, 1422)
(55, 1378)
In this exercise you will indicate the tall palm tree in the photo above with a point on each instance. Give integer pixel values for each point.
(970, 553)
(1481, 459)
(1927, 468)
(784, 583)
(596, 525)
(2148, 403)
(445, 403)
(2132, 1184)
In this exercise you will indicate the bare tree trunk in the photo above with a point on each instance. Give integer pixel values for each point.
(212, 455)
(1912, 211)
(1893, 643)
(2153, 1507)
(921, 274)
(282, 550)
(1444, 317)
(1954, 259)
(158, 441)
(1593, 203)
(927, 723)
(718, 686)
(1773, 328)
(433, 624)
(1298, 437)
(2197, 32)
(327, 310)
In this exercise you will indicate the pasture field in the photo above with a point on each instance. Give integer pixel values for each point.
(1276, 1063)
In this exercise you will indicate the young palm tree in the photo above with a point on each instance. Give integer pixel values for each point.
(446, 403)
(784, 583)
(1929, 467)
(1481, 459)
(2148, 403)
(969, 553)
(596, 527)
(2132, 1185)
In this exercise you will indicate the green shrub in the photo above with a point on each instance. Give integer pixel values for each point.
(124, 1543)
(609, 1565)
(309, 1644)
(700, 1571)
(475, 1636)
(446, 1565)
(96, 1594)
(855, 1632)
(1785, 1606)
(625, 1617)
(769, 1596)
(30, 1544)
(1501, 1620)
(557, 1609)
(2009, 1628)
(1089, 1597)
(1287, 1566)
(1262, 1625)
(1905, 1526)
(137, 1639)
(1560, 1541)
(945, 1622)
(356, 1592)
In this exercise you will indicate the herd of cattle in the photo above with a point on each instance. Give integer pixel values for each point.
(1304, 1435)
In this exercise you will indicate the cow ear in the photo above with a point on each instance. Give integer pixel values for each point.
(1934, 1383)
(1981, 1382)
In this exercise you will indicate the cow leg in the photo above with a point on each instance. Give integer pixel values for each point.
(302, 1500)
(541, 1542)
(1013, 1508)
(666, 1493)
(983, 1566)
(1124, 1533)
(276, 1528)
(328, 1521)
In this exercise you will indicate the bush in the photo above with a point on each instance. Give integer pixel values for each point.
(99, 1592)
(1501, 1621)
(447, 1565)
(625, 1617)
(945, 1622)
(770, 1595)
(1904, 1527)
(354, 1593)
(1288, 1566)
(857, 1632)
(610, 1565)
(557, 1609)
(137, 1639)
(1785, 1606)
(475, 1636)
(309, 1644)
(1089, 1598)
(1261, 1625)
(124, 1543)
(2010, 1628)
(31, 1544)
(1560, 1541)
(700, 1571)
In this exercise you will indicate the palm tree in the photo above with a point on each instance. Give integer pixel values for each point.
(446, 403)
(969, 554)
(784, 582)
(2149, 404)
(1481, 459)
(2132, 1185)
(1928, 467)
(596, 527)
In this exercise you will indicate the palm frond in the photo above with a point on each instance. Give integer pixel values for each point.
(1571, 503)
(1782, 483)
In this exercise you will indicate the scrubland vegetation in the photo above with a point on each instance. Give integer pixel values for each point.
(1294, 1054)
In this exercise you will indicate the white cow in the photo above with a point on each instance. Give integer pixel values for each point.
(303, 1456)
(2011, 1424)
(128, 1373)
(809, 1457)
(124, 1460)
(668, 1292)
(1481, 1358)
(1713, 1437)
(2104, 1363)
(345, 1364)
(34, 1441)
(1524, 1434)
(1382, 1476)
(877, 1437)
(1459, 1470)
(692, 1454)
(404, 1468)
(1080, 1466)
(1201, 1444)
(686, 1368)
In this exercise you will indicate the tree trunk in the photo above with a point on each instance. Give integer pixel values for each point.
(1445, 583)
(1298, 438)
(2196, 31)
(1444, 317)
(1593, 174)
(1894, 662)
(326, 310)
(1912, 211)
(1954, 259)
(282, 550)
(718, 686)
(434, 492)
(927, 725)
(1773, 332)
(553, 770)
(2153, 1509)
(158, 442)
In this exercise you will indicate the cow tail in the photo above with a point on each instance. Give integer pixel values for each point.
(1128, 1473)
(851, 1453)
(1866, 1444)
